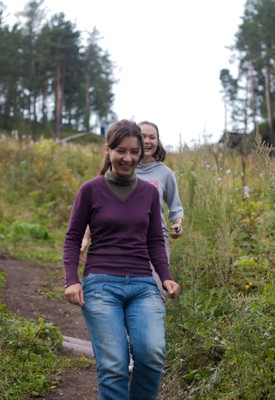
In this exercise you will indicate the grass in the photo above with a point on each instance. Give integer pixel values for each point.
(220, 332)
(30, 365)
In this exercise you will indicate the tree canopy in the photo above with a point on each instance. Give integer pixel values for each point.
(250, 97)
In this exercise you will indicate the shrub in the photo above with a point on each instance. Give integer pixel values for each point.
(28, 357)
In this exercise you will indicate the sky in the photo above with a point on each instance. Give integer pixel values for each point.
(168, 57)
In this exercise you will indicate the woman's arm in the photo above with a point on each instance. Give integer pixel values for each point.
(175, 208)
(176, 227)
(84, 244)
(79, 219)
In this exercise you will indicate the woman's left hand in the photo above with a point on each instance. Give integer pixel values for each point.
(176, 230)
(173, 288)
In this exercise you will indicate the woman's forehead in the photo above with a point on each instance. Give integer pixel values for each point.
(129, 141)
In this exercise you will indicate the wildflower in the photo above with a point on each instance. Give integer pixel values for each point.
(228, 172)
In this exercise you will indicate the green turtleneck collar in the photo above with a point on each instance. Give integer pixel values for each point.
(120, 186)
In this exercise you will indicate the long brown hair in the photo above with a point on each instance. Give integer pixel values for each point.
(160, 152)
(115, 134)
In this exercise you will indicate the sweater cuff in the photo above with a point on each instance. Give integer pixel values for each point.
(71, 279)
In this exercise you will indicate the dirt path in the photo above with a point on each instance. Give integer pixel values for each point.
(25, 283)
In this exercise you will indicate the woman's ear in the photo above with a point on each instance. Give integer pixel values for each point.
(106, 149)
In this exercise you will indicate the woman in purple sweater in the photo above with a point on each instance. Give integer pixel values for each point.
(118, 293)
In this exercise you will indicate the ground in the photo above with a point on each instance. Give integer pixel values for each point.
(25, 284)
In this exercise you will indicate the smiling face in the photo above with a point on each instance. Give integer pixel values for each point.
(125, 157)
(150, 139)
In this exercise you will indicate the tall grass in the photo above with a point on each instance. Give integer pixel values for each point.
(221, 329)
(220, 332)
(38, 185)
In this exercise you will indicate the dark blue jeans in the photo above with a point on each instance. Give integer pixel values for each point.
(115, 305)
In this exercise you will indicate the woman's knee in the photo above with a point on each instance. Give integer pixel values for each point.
(152, 353)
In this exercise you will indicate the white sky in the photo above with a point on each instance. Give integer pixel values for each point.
(168, 55)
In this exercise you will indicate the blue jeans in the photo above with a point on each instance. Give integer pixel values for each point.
(115, 305)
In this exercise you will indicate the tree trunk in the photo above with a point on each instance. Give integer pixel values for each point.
(58, 102)
(252, 93)
(44, 103)
(268, 104)
(87, 102)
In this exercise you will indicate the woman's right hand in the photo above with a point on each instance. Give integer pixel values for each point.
(74, 294)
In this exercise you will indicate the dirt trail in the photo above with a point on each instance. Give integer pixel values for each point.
(25, 283)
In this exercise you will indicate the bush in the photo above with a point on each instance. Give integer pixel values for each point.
(37, 231)
(28, 357)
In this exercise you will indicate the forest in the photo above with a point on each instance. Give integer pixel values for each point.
(249, 99)
(51, 76)
(55, 80)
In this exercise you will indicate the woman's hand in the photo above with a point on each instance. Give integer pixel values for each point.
(84, 244)
(74, 294)
(172, 288)
(176, 230)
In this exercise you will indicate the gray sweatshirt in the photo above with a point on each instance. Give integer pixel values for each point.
(164, 179)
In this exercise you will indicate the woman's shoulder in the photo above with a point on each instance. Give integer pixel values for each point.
(150, 168)
(98, 180)
(163, 169)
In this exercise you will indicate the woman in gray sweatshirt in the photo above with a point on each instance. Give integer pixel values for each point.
(152, 169)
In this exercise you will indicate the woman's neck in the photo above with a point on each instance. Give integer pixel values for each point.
(120, 180)
(147, 160)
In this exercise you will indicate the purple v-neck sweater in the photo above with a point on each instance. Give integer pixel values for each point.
(125, 234)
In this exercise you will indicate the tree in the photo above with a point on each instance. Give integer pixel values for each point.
(98, 81)
(33, 15)
(229, 93)
(10, 71)
(62, 53)
(48, 76)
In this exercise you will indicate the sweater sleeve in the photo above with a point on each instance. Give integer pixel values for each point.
(78, 222)
(172, 198)
(155, 241)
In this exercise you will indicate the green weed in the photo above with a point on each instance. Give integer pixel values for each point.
(220, 332)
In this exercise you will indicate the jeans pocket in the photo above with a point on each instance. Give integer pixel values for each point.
(86, 280)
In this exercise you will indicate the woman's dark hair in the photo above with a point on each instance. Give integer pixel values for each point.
(160, 152)
(115, 134)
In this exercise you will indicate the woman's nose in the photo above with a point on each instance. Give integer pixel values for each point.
(127, 156)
